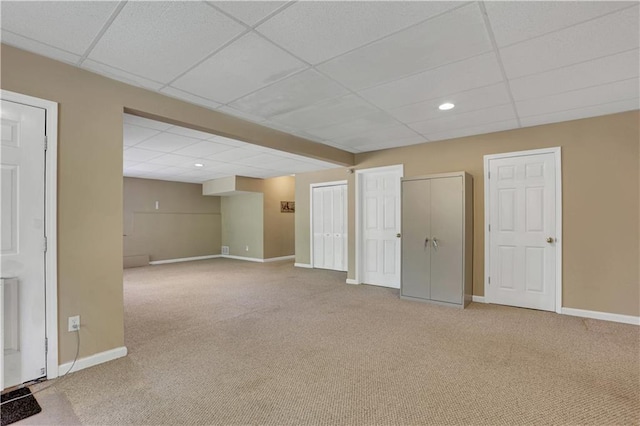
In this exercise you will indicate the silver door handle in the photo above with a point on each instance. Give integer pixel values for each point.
(435, 243)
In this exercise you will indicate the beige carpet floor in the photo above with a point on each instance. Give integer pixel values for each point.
(229, 342)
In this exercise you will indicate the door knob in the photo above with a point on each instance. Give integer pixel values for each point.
(435, 243)
(550, 240)
(398, 235)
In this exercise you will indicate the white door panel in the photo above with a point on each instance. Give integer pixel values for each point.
(522, 214)
(329, 227)
(380, 193)
(22, 215)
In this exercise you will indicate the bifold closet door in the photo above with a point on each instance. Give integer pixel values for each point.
(447, 239)
(416, 250)
(330, 227)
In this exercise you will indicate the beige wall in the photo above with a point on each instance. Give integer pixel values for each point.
(601, 218)
(279, 227)
(243, 225)
(186, 224)
(90, 206)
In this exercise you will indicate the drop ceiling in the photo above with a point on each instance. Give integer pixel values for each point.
(156, 150)
(359, 76)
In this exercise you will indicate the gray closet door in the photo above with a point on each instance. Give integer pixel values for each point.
(446, 234)
(415, 232)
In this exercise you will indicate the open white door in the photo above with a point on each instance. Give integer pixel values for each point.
(378, 215)
(523, 229)
(22, 259)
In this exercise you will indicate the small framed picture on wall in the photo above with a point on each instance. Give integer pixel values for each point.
(287, 206)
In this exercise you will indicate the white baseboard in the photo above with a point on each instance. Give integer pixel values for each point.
(278, 259)
(184, 259)
(606, 316)
(350, 281)
(302, 265)
(477, 299)
(92, 360)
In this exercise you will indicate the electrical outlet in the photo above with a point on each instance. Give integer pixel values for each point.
(74, 323)
(246, 248)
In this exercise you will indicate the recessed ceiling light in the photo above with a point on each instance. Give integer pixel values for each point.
(199, 165)
(446, 106)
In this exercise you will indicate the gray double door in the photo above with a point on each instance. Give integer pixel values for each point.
(432, 239)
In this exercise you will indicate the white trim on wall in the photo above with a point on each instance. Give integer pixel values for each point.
(350, 281)
(302, 265)
(311, 188)
(557, 151)
(279, 259)
(478, 299)
(94, 359)
(605, 316)
(359, 173)
(51, 222)
(184, 259)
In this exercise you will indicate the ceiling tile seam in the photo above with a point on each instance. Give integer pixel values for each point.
(575, 63)
(492, 38)
(464, 4)
(260, 22)
(121, 70)
(577, 90)
(174, 96)
(146, 128)
(103, 30)
(457, 114)
(583, 107)
(634, 4)
(209, 55)
(35, 41)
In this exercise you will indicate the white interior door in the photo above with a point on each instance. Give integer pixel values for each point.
(522, 235)
(22, 262)
(380, 226)
(330, 227)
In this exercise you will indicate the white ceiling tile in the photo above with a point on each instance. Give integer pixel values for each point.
(464, 120)
(233, 155)
(292, 93)
(127, 164)
(188, 97)
(145, 122)
(513, 22)
(326, 113)
(424, 46)
(591, 96)
(249, 12)
(135, 134)
(170, 171)
(470, 100)
(262, 160)
(70, 26)
(39, 48)
(123, 76)
(386, 135)
(317, 31)
(203, 149)
(240, 114)
(603, 36)
(190, 133)
(146, 167)
(174, 160)
(246, 65)
(137, 154)
(360, 125)
(167, 142)
(479, 71)
(577, 113)
(159, 40)
(608, 69)
(476, 130)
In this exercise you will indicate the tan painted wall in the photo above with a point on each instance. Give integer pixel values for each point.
(186, 224)
(90, 224)
(601, 216)
(279, 228)
(243, 225)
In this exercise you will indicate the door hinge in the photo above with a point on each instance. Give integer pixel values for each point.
(46, 142)
(489, 280)
(488, 175)
(44, 245)
(489, 227)
(46, 345)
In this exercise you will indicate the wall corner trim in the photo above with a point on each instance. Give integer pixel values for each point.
(477, 299)
(352, 281)
(184, 259)
(91, 360)
(605, 316)
(302, 265)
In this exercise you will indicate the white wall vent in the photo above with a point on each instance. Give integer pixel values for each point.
(225, 249)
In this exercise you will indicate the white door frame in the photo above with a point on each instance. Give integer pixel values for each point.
(51, 255)
(557, 152)
(346, 225)
(359, 221)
